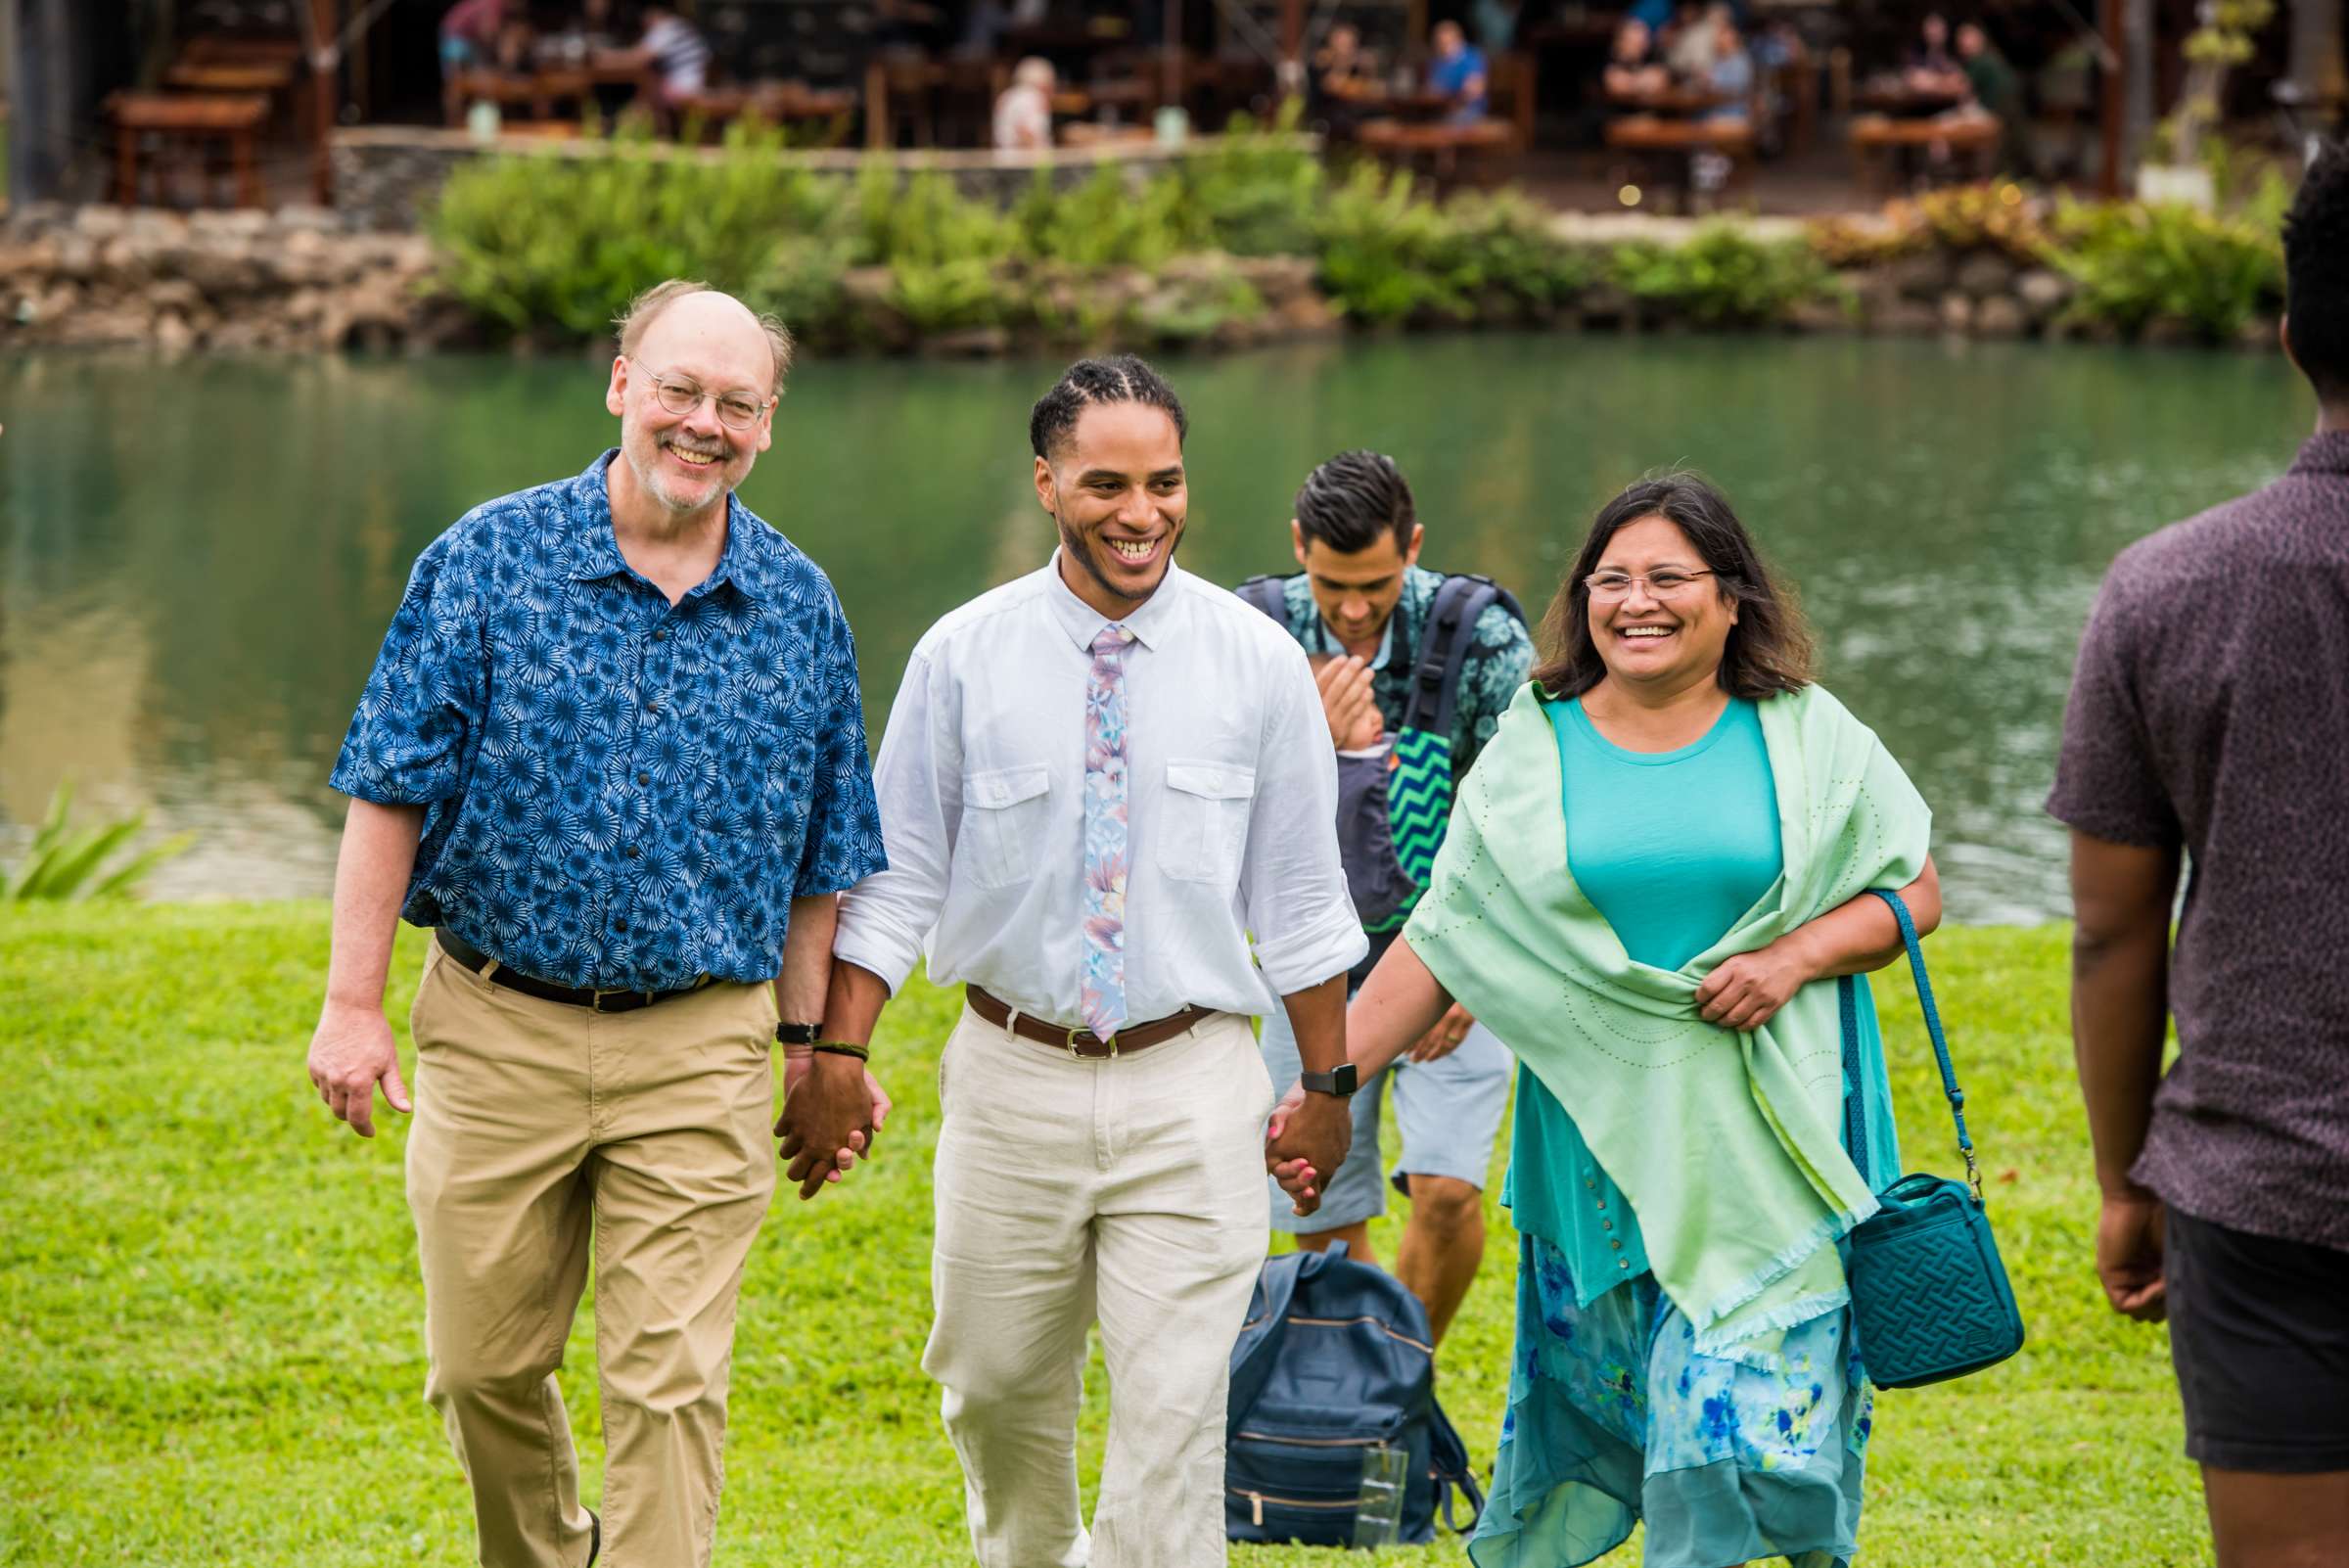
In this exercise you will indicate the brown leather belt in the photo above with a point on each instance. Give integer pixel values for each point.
(1083, 1042)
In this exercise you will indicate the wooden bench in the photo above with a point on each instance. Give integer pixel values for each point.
(1657, 151)
(1879, 144)
(1439, 146)
(193, 117)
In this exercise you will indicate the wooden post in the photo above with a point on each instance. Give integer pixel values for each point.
(1169, 56)
(2111, 20)
(876, 105)
(324, 32)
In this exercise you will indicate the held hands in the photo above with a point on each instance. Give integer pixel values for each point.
(1305, 1142)
(833, 1110)
(349, 1054)
(1348, 703)
(2129, 1244)
(1445, 1038)
(1747, 992)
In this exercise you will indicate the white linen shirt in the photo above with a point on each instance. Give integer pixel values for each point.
(1232, 795)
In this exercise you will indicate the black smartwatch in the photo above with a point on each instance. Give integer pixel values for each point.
(798, 1034)
(1339, 1081)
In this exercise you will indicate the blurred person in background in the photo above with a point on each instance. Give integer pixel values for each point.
(1457, 72)
(1024, 110)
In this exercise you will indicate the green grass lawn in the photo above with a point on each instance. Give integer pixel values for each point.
(212, 1321)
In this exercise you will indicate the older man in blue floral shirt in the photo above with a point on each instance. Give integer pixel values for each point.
(612, 750)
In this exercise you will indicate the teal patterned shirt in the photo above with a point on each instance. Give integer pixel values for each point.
(1501, 659)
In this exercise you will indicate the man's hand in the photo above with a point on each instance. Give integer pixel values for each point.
(349, 1054)
(1445, 1038)
(2129, 1244)
(1315, 1128)
(1348, 703)
(1747, 992)
(832, 1108)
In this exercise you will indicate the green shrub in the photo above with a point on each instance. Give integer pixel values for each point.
(2133, 264)
(1507, 242)
(65, 862)
(1386, 254)
(923, 221)
(1254, 192)
(540, 241)
(1102, 223)
(936, 297)
(1723, 276)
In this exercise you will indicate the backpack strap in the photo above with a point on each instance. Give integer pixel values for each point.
(1443, 644)
(1259, 1345)
(1448, 1458)
(1269, 594)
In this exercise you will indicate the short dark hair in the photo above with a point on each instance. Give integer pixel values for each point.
(1348, 501)
(1769, 650)
(1118, 378)
(2316, 273)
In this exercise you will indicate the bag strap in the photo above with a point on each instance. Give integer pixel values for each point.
(1443, 644)
(1447, 1457)
(1940, 1045)
(1269, 594)
(1854, 1125)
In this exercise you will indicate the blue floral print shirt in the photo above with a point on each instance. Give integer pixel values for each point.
(620, 792)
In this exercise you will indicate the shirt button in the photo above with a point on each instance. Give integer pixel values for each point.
(1622, 1263)
(621, 926)
(630, 852)
(1592, 1185)
(1617, 1245)
(1607, 1225)
(643, 780)
(661, 635)
(1602, 1203)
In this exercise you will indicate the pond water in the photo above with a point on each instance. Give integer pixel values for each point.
(196, 559)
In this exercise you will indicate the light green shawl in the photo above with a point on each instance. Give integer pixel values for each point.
(1728, 1145)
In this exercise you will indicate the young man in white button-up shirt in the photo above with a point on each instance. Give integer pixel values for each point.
(1107, 795)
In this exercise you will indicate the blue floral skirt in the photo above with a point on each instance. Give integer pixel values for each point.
(1615, 1418)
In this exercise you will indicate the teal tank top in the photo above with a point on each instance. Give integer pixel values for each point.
(1673, 848)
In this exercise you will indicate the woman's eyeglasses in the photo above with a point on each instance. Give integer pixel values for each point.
(1668, 585)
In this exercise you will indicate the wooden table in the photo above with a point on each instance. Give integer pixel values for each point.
(777, 102)
(1660, 150)
(1438, 146)
(198, 118)
(1880, 144)
(230, 49)
(230, 76)
(1672, 103)
(1899, 98)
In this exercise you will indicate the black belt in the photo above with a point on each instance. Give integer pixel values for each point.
(597, 999)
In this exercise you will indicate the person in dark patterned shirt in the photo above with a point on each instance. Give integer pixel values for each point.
(2209, 723)
(1363, 601)
(612, 749)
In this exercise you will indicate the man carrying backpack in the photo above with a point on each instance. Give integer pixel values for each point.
(1414, 668)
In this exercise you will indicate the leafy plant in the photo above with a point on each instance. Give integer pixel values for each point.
(1103, 222)
(1386, 254)
(1255, 191)
(1507, 242)
(65, 862)
(2134, 264)
(1723, 276)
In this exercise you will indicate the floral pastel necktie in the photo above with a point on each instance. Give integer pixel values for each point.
(1104, 993)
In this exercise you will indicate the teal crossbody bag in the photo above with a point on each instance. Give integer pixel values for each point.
(1931, 1299)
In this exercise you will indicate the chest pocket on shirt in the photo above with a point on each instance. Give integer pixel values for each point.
(1206, 821)
(1003, 818)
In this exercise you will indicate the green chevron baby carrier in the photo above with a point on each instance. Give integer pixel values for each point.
(1391, 820)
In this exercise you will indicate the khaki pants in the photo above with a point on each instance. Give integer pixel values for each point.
(1133, 1191)
(540, 1127)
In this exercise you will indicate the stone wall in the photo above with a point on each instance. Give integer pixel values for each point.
(294, 279)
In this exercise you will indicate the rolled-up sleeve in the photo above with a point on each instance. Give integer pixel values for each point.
(1292, 881)
(885, 918)
(843, 845)
(424, 701)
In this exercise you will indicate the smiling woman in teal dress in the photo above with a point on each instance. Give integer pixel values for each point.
(1653, 879)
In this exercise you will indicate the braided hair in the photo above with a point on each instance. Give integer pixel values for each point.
(1118, 378)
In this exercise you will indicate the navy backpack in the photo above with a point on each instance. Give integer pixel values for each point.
(1334, 1358)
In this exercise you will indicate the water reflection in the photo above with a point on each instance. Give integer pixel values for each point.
(196, 559)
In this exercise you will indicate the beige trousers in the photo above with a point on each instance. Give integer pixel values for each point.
(1131, 1190)
(542, 1128)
